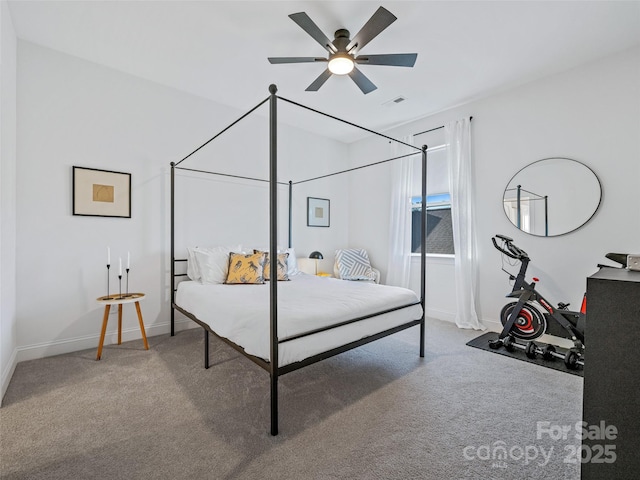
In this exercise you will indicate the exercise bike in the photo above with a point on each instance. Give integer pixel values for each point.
(531, 315)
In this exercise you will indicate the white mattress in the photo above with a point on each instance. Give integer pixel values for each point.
(240, 313)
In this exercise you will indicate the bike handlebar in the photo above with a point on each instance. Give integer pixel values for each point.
(511, 250)
(505, 238)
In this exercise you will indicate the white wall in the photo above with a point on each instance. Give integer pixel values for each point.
(72, 112)
(590, 114)
(8, 322)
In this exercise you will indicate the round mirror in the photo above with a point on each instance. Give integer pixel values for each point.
(552, 197)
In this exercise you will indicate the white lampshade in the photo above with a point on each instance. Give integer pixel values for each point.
(341, 64)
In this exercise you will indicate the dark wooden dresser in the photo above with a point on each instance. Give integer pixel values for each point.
(611, 401)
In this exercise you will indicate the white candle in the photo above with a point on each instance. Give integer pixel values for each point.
(128, 260)
(120, 263)
(108, 256)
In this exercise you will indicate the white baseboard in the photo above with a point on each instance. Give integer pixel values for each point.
(493, 325)
(440, 314)
(8, 373)
(68, 345)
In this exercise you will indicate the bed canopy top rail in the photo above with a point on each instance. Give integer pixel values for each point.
(242, 177)
(225, 129)
(272, 366)
(290, 183)
(269, 99)
(355, 168)
(373, 132)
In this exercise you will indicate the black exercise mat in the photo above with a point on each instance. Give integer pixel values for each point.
(482, 342)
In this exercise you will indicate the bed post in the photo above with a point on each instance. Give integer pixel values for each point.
(206, 348)
(173, 259)
(273, 253)
(290, 209)
(423, 250)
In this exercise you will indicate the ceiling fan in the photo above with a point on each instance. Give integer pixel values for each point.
(343, 51)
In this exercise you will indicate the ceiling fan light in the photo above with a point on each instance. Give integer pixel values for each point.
(341, 64)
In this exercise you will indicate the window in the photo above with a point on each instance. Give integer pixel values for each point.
(439, 229)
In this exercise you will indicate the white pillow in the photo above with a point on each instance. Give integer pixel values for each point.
(292, 262)
(353, 264)
(192, 267)
(209, 262)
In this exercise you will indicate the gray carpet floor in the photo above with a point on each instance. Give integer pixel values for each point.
(376, 412)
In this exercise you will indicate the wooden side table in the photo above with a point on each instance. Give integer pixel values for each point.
(107, 301)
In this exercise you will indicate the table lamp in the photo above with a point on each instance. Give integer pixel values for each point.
(316, 256)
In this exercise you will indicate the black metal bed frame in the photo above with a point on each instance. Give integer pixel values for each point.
(273, 367)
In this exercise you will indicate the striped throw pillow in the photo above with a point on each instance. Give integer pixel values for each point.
(353, 264)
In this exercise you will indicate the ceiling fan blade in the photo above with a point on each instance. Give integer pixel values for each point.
(303, 20)
(376, 24)
(296, 59)
(362, 81)
(392, 59)
(318, 82)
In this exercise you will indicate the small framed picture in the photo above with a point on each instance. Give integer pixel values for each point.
(317, 212)
(101, 193)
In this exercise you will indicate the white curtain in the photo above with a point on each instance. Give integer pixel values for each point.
(458, 140)
(399, 265)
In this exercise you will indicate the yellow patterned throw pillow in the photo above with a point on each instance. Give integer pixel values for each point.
(283, 271)
(246, 268)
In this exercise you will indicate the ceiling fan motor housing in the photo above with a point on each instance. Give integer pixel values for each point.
(341, 39)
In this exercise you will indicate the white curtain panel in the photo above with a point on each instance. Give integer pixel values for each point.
(399, 265)
(458, 140)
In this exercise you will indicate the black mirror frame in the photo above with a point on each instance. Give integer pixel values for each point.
(569, 231)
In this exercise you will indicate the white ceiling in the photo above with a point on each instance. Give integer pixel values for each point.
(219, 49)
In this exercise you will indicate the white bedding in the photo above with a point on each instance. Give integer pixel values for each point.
(240, 313)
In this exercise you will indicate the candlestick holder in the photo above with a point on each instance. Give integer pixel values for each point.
(127, 269)
(108, 297)
(120, 282)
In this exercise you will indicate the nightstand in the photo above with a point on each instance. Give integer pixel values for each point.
(120, 300)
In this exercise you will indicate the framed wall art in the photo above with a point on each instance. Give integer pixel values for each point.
(317, 212)
(101, 193)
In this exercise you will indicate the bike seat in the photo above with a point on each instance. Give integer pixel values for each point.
(620, 258)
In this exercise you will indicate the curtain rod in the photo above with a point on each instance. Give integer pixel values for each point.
(433, 129)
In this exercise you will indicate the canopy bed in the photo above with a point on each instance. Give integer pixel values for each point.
(302, 329)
